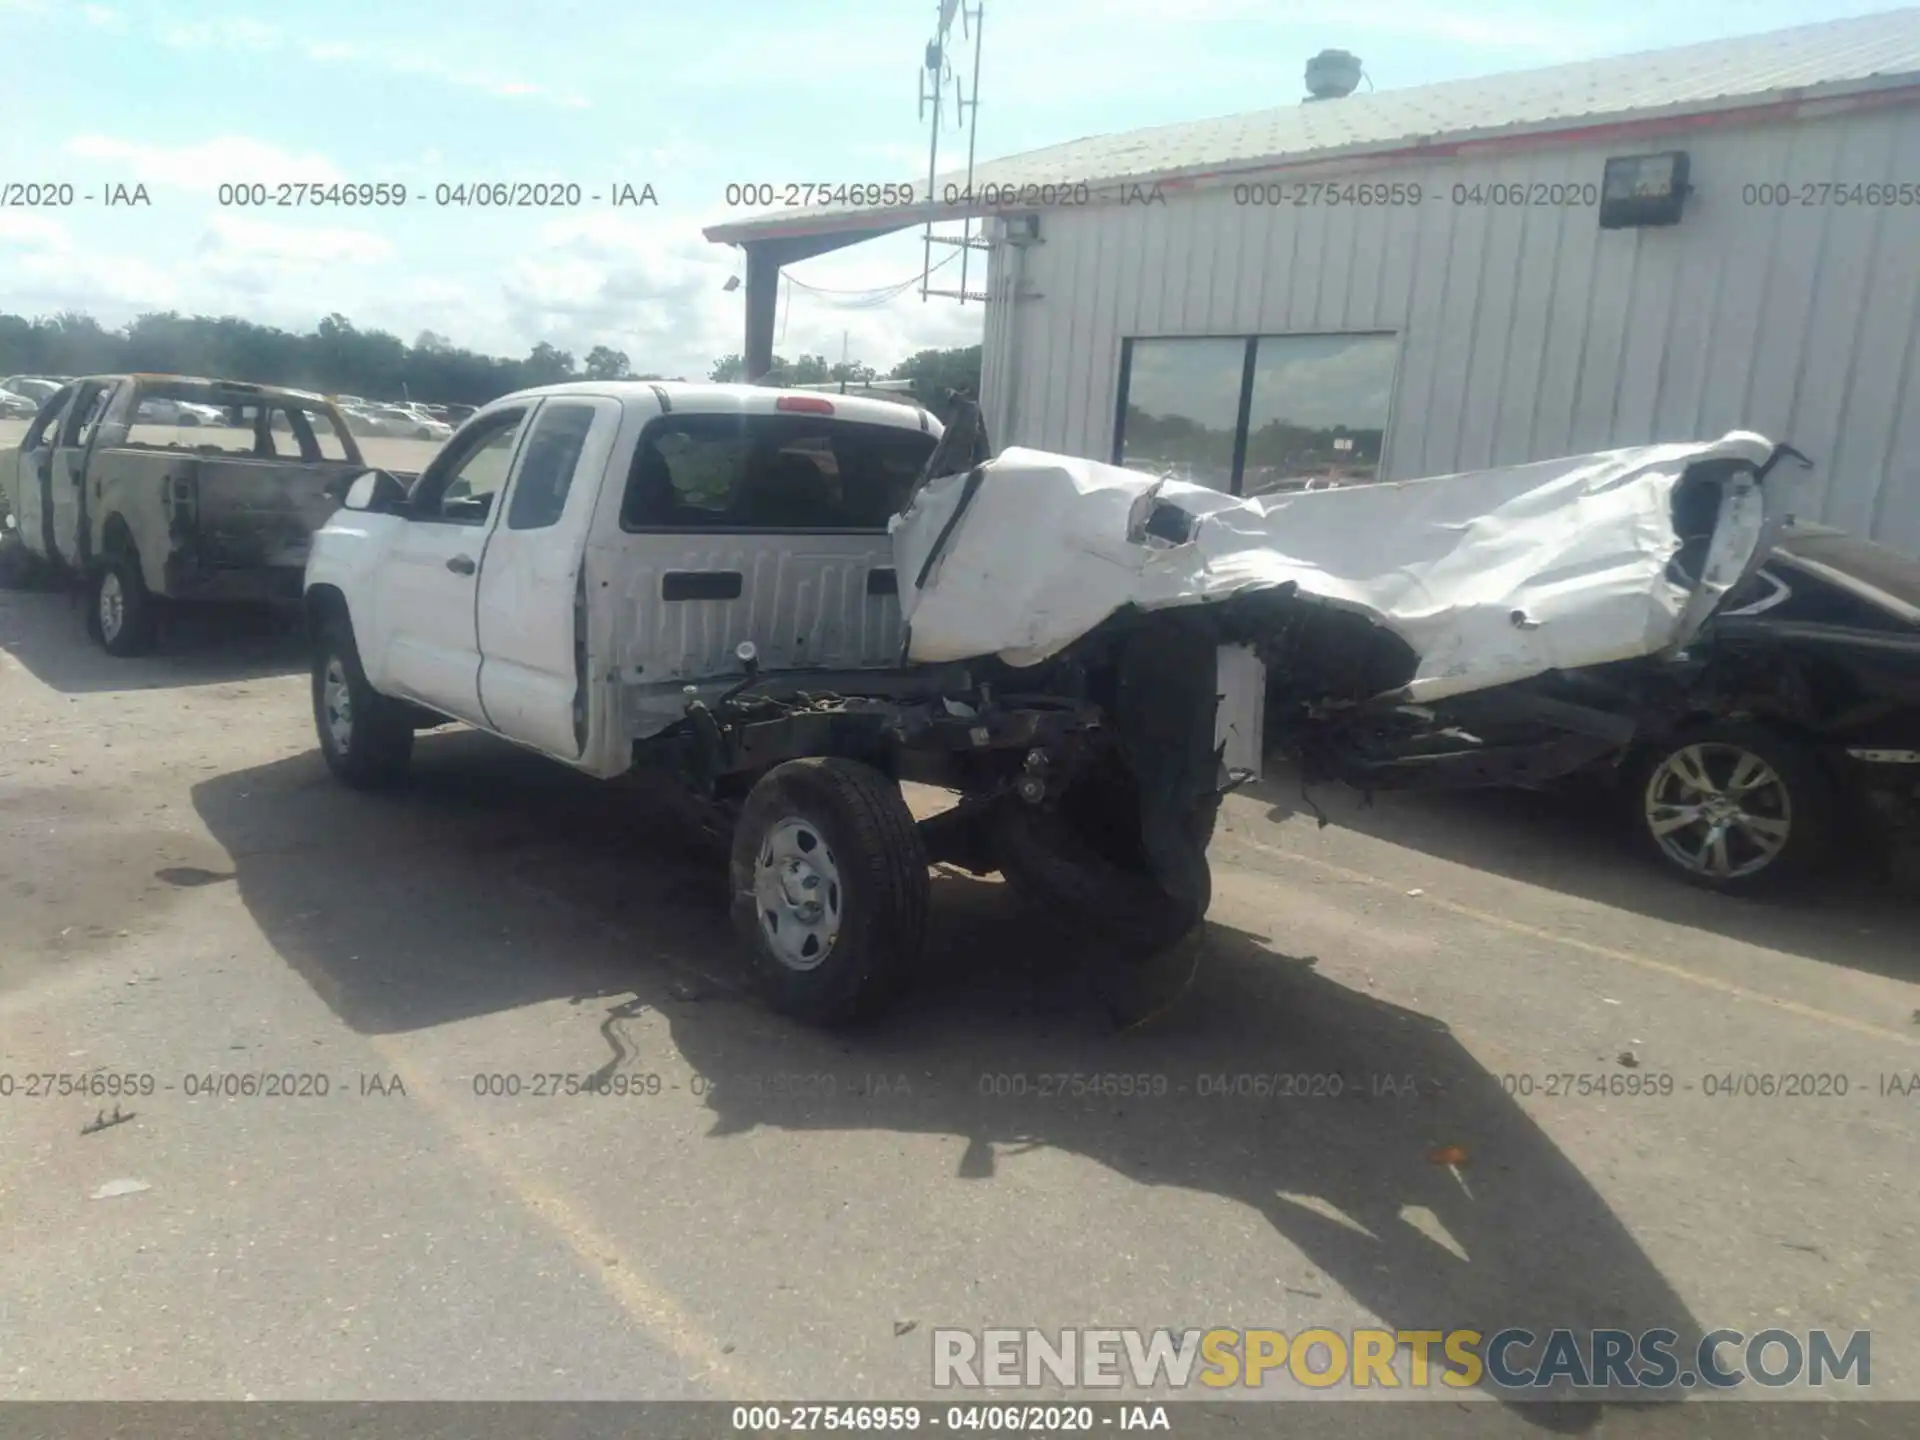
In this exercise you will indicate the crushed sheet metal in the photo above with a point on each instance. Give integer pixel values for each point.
(1491, 576)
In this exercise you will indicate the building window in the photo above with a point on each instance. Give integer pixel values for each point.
(1256, 414)
(1181, 409)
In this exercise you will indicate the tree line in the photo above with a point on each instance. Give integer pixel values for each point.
(338, 358)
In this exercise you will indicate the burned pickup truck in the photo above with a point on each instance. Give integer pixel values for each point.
(151, 488)
(785, 604)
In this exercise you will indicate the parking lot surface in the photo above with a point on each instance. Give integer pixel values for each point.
(766, 1210)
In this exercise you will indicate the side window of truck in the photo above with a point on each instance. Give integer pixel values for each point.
(546, 471)
(84, 415)
(44, 430)
(459, 487)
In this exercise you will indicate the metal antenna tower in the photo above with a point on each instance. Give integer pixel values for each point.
(937, 74)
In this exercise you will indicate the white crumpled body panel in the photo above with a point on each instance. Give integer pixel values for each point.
(1491, 575)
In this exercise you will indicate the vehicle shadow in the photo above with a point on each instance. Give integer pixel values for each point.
(496, 880)
(1576, 841)
(46, 631)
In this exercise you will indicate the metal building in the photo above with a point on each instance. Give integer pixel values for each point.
(1658, 246)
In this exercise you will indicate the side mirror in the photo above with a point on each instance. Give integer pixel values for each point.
(376, 492)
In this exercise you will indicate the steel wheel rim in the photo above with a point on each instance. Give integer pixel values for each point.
(1718, 810)
(113, 605)
(336, 701)
(797, 894)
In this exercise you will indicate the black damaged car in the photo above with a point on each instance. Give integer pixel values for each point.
(1785, 736)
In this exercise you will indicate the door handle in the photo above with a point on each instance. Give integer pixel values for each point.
(461, 565)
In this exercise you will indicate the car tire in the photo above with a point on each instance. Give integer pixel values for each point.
(365, 737)
(830, 889)
(20, 568)
(122, 615)
(1774, 831)
(1051, 864)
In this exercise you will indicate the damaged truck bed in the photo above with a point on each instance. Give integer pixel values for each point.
(1407, 628)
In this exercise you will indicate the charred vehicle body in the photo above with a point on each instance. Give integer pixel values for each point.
(784, 605)
(152, 488)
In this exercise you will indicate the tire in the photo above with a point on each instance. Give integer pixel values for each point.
(122, 614)
(368, 741)
(834, 951)
(1111, 898)
(1774, 834)
(20, 568)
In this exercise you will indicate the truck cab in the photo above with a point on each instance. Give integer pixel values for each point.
(577, 556)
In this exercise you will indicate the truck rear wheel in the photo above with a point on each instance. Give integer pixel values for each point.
(1083, 867)
(122, 618)
(365, 737)
(830, 888)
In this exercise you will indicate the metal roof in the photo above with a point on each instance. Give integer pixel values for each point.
(1829, 60)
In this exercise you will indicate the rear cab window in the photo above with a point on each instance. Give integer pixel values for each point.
(771, 472)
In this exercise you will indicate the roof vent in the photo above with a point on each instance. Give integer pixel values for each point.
(1332, 74)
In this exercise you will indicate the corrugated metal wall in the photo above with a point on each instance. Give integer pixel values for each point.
(1527, 332)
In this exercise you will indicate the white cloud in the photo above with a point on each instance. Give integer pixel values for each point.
(892, 153)
(244, 237)
(234, 32)
(52, 280)
(1529, 28)
(203, 166)
(30, 229)
(654, 289)
(400, 56)
(103, 16)
(648, 286)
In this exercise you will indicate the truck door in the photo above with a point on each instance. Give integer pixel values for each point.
(532, 638)
(763, 527)
(66, 497)
(429, 643)
(33, 482)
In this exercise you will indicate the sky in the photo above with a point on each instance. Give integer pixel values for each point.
(182, 96)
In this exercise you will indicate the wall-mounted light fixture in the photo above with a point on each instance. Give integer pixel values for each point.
(1019, 230)
(1643, 190)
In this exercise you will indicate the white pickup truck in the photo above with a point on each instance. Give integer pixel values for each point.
(786, 603)
(699, 580)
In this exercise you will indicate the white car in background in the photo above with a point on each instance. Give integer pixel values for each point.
(392, 420)
(162, 410)
(36, 388)
(17, 407)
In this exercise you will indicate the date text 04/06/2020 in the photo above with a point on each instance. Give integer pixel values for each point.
(461, 195)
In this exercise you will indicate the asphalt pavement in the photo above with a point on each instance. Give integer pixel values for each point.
(744, 1207)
